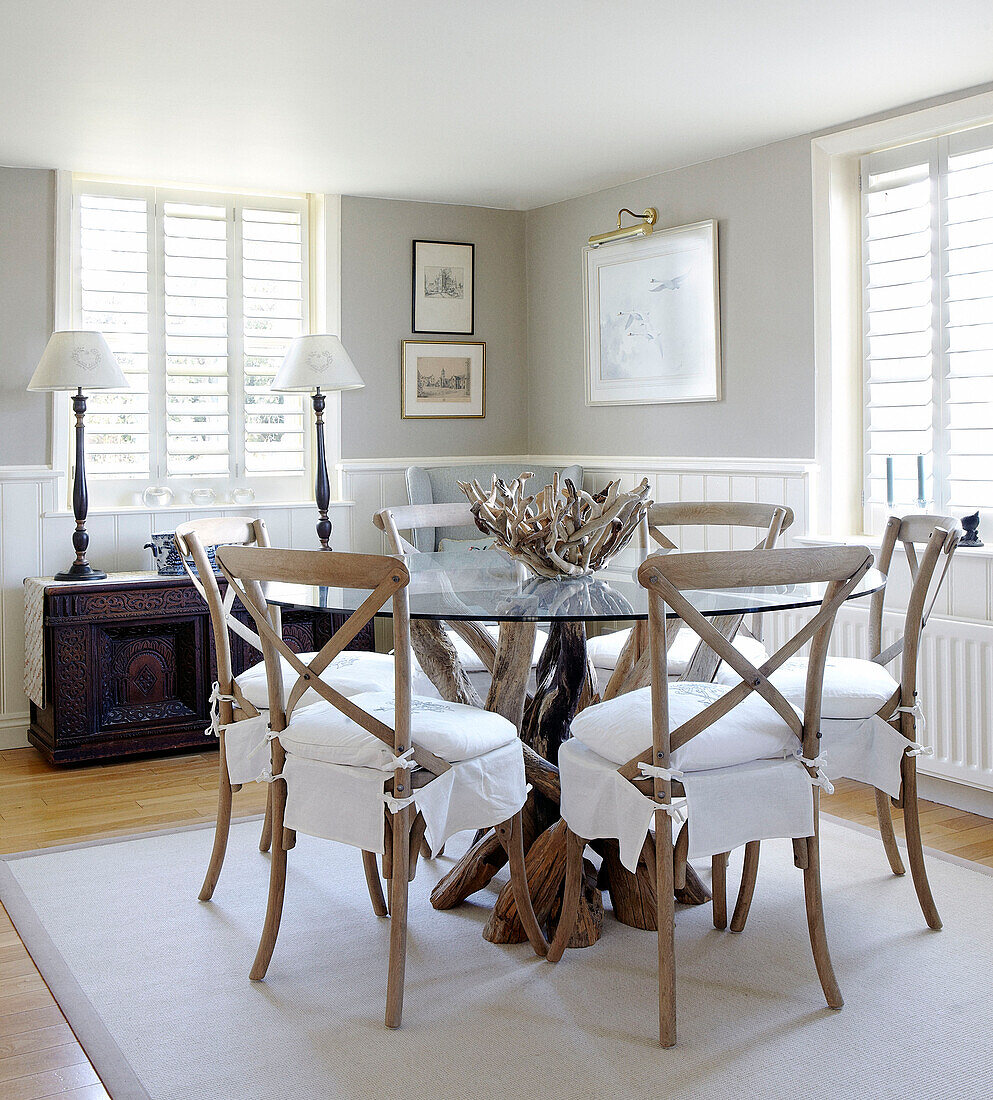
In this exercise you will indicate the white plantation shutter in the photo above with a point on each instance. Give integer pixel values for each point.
(199, 295)
(113, 297)
(273, 251)
(196, 277)
(968, 248)
(927, 251)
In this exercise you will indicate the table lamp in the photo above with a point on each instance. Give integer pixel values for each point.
(318, 363)
(78, 361)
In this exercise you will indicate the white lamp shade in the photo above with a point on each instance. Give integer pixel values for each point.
(313, 361)
(77, 359)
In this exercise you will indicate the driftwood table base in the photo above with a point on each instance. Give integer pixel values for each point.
(565, 684)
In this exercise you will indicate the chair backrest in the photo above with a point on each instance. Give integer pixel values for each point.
(940, 536)
(667, 577)
(192, 540)
(772, 519)
(417, 518)
(439, 485)
(249, 568)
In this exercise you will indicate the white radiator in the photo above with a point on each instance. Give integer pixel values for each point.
(955, 685)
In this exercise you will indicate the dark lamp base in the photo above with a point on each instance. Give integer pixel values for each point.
(81, 571)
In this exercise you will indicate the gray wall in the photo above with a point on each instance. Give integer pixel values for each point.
(27, 263)
(376, 237)
(762, 202)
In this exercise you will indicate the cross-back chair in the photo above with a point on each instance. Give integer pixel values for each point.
(477, 651)
(236, 700)
(747, 760)
(617, 654)
(864, 701)
(340, 772)
(228, 703)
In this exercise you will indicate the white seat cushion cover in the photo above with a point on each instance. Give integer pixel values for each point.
(605, 651)
(853, 688)
(472, 662)
(350, 673)
(449, 730)
(621, 728)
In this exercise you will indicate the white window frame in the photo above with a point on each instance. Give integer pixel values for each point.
(321, 308)
(838, 361)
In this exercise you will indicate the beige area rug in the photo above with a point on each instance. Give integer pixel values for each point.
(155, 984)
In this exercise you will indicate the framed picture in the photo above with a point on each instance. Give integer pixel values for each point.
(442, 287)
(441, 381)
(653, 323)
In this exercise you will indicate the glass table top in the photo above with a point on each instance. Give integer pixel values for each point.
(488, 585)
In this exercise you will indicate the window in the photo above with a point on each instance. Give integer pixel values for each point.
(198, 295)
(927, 266)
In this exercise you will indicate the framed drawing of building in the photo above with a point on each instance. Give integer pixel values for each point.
(652, 321)
(442, 380)
(442, 287)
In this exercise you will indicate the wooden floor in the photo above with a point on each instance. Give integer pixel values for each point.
(41, 806)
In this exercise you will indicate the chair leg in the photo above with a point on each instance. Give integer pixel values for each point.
(221, 828)
(885, 819)
(749, 872)
(815, 925)
(277, 886)
(915, 848)
(679, 852)
(399, 882)
(666, 924)
(372, 881)
(574, 847)
(265, 840)
(719, 888)
(511, 834)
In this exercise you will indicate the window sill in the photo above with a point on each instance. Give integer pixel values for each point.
(201, 509)
(874, 543)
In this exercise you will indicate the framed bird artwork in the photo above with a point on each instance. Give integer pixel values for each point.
(653, 318)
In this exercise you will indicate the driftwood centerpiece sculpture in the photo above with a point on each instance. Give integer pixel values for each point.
(562, 531)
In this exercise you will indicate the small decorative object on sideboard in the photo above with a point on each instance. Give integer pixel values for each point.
(971, 525)
(562, 530)
(168, 563)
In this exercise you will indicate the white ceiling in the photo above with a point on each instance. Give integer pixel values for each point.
(507, 103)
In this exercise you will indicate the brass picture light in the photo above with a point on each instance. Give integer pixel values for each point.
(642, 229)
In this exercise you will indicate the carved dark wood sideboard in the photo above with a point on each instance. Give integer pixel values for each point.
(129, 666)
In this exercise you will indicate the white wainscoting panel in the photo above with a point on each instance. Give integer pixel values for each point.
(35, 541)
(378, 483)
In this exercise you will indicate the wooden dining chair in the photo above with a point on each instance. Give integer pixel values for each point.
(237, 699)
(859, 692)
(228, 702)
(354, 769)
(617, 654)
(743, 756)
(474, 643)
